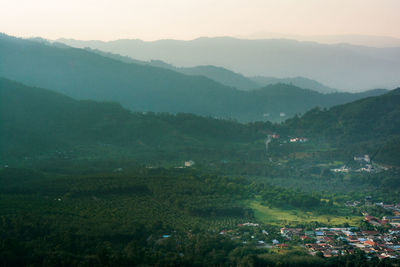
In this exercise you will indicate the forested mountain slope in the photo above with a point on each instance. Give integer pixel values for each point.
(39, 122)
(371, 122)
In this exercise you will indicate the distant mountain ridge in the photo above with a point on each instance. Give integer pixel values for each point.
(341, 66)
(218, 74)
(297, 81)
(82, 74)
(353, 39)
(225, 76)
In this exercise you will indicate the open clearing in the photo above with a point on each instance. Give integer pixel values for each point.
(278, 216)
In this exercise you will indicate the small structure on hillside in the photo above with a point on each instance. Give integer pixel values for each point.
(341, 169)
(248, 224)
(189, 163)
(298, 140)
(362, 159)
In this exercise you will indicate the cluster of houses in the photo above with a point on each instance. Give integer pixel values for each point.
(393, 208)
(361, 164)
(186, 164)
(250, 233)
(338, 241)
(393, 221)
(298, 140)
(290, 140)
(325, 240)
(382, 242)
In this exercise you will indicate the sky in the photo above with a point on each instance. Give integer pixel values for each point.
(189, 19)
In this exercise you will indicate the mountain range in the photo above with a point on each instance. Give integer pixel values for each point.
(353, 39)
(82, 74)
(225, 76)
(342, 66)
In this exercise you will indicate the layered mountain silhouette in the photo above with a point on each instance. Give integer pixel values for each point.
(82, 74)
(342, 66)
(225, 76)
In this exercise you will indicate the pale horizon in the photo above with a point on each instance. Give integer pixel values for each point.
(250, 36)
(188, 20)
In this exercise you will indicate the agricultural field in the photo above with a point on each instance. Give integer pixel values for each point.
(277, 216)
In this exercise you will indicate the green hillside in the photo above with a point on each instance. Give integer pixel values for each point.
(373, 123)
(365, 119)
(36, 121)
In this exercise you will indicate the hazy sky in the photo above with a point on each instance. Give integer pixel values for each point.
(188, 19)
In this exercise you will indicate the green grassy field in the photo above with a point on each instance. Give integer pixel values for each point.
(278, 216)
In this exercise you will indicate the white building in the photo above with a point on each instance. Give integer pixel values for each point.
(189, 163)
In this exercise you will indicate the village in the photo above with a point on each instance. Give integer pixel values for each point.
(361, 163)
(339, 241)
(379, 237)
(326, 241)
(358, 163)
